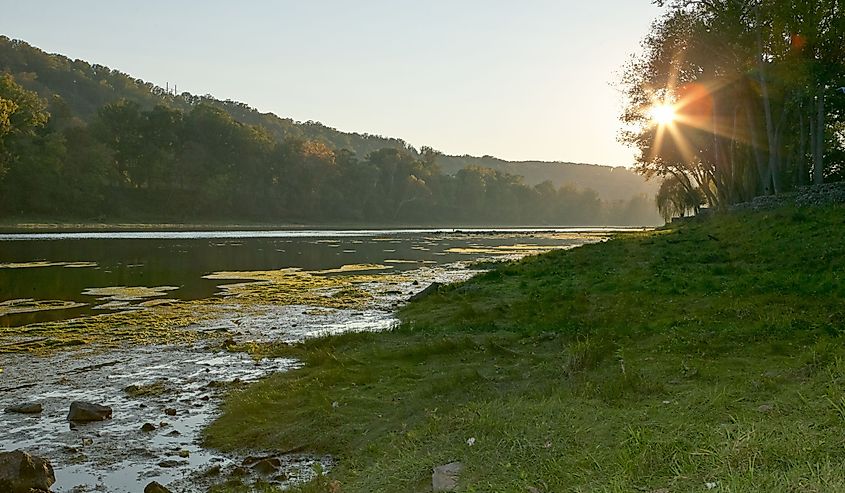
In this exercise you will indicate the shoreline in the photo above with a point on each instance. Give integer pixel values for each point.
(71, 227)
(685, 359)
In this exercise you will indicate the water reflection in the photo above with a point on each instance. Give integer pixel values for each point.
(75, 268)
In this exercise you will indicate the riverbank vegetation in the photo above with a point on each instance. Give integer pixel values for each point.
(700, 356)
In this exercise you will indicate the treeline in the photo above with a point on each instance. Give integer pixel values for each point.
(167, 164)
(758, 92)
(75, 90)
(79, 89)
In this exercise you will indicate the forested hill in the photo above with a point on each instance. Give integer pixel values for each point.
(75, 87)
(83, 142)
(611, 183)
(79, 88)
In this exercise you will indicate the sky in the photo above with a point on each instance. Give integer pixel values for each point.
(528, 80)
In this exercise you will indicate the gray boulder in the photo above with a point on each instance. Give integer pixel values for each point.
(24, 473)
(81, 412)
(445, 477)
(26, 408)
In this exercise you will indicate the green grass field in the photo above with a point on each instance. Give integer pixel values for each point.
(707, 356)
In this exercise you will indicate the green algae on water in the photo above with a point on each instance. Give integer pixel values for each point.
(295, 286)
(164, 324)
(29, 305)
(128, 293)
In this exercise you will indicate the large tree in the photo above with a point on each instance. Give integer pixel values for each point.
(747, 85)
(22, 113)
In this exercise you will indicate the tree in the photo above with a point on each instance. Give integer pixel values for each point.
(674, 199)
(749, 81)
(22, 113)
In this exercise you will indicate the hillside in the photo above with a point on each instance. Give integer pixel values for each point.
(611, 183)
(702, 356)
(76, 89)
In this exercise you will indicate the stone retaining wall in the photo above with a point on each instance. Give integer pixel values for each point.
(813, 195)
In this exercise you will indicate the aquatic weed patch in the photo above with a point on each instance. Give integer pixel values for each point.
(29, 305)
(343, 287)
(142, 318)
(161, 324)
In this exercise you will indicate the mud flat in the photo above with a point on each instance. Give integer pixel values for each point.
(176, 388)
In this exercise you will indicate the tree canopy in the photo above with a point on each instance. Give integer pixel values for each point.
(755, 91)
(76, 90)
(163, 163)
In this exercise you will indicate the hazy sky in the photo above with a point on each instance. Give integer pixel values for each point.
(518, 80)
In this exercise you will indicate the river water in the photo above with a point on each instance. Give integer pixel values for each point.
(56, 278)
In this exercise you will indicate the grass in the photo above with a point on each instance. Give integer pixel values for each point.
(704, 356)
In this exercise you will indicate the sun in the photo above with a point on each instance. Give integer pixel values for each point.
(663, 114)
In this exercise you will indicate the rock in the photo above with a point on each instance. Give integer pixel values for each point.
(24, 473)
(170, 463)
(170, 411)
(239, 471)
(148, 427)
(430, 289)
(213, 471)
(445, 477)
(85, 411)
(184, 454)
(26, 408)
(267, 466)
(155, 487)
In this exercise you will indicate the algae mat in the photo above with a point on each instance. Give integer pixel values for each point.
(172, 321)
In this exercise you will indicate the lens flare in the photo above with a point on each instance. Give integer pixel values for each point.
(663, 114)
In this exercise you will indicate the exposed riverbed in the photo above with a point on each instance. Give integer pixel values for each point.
(149, 325)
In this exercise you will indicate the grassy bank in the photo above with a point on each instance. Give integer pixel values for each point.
(707, 355)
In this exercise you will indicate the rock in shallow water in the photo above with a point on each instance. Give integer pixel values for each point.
(430, 289)
(81, 412)
(267, 466)
(24, 473)
(155, 487)
(27, 408)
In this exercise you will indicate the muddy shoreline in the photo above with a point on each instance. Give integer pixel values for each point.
(173, 378)
(116, 455)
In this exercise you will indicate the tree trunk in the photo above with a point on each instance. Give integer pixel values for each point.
(767, 111)
(818, 162)
(733, 176)
(802, 150)
(762, 170)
